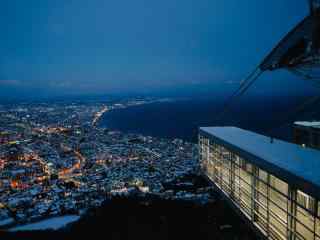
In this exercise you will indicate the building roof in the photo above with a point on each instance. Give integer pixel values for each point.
(308, 124)
(290, 161)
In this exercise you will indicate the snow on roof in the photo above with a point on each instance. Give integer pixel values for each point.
(51, 223)
(308, 124)
(295, 159)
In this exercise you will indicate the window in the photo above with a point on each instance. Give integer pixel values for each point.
(318, 222)
(279, 185)
(305, 221)
(263, 175)
(306, 201)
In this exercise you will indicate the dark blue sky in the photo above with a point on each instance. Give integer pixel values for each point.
(101, 46)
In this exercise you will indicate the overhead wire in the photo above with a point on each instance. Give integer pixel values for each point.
(244, 86)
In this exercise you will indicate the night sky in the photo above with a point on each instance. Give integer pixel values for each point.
(66, 47)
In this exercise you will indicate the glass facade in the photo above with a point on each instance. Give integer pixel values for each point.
(277, 209)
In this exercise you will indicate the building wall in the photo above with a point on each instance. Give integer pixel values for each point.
(308, 136)
(277, 209)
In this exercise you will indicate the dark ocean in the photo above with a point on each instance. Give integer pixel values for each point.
(272, 116)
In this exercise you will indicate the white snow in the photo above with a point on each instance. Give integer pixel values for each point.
(51, 223)
(308, 124)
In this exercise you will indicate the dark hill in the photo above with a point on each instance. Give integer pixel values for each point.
(154, 219)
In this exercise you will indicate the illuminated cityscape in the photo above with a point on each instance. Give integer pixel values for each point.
(54, 161)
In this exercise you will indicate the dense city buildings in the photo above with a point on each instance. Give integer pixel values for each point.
(55, 160)
(273, 184)
(307, 134)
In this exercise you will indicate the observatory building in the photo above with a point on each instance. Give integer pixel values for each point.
(272, 184)
(307, 134)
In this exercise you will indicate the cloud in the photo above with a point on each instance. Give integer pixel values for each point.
(232, 82)
(60, 84)
(5, 82)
